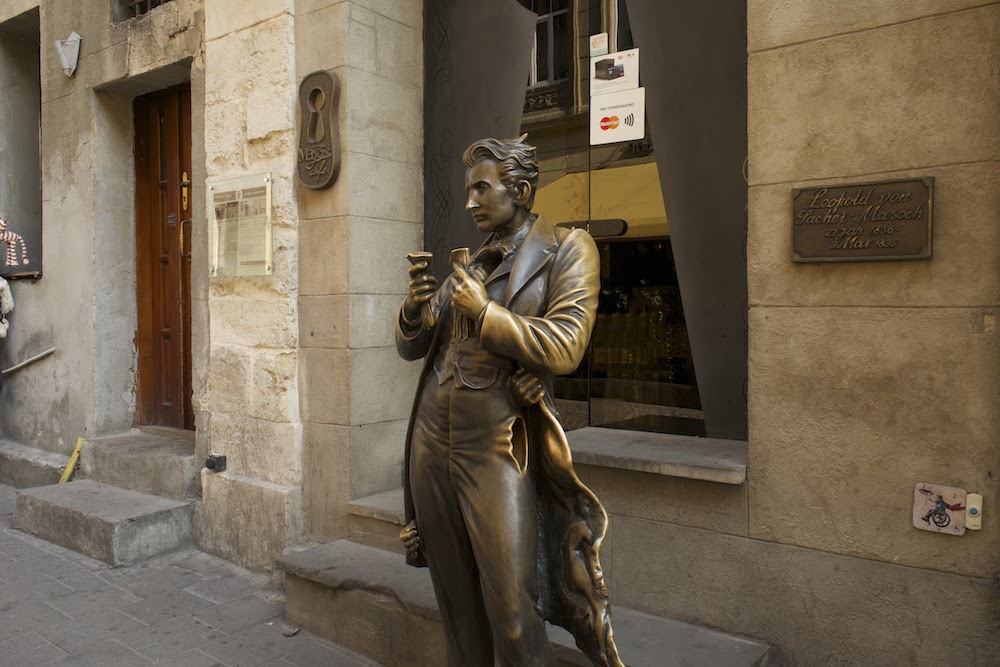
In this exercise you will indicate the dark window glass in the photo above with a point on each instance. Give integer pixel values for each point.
(624, 35)
(641, 373)
(542, 52)
(562, 47)
(140, 7)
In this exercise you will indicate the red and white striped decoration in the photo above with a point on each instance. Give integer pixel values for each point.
(12, 239)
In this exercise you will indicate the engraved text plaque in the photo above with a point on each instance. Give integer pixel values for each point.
(863, 221)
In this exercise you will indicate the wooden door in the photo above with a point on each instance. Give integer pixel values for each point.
(163, 204)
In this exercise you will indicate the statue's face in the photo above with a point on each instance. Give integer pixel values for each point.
(490, 204)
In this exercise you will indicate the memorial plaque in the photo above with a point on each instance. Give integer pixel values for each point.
(240, 234)
(863, 221)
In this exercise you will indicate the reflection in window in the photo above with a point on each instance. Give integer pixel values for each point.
(552, 51)
(641, 372)
(620, 30)
(638, 374)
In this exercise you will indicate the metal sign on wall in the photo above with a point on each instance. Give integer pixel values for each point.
(863, 221)
(319, 136)
(240, 234)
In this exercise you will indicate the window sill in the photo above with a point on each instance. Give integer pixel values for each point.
(709, 459)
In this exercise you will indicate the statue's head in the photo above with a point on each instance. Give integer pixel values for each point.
(517, 166)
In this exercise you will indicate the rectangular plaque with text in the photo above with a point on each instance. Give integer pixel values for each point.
(863, 221)
(240, 232)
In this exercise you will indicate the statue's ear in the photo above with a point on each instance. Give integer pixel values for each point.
(523, 189)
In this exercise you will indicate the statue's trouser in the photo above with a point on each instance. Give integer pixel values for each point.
(474, 500)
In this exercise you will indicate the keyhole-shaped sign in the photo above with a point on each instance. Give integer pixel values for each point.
(317, 130)
(319, 137)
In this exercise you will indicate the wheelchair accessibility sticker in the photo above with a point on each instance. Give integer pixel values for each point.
(940, 509)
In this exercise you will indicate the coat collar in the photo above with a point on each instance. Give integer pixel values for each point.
(537, 249)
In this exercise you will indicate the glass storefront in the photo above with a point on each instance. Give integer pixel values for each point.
(639, 372)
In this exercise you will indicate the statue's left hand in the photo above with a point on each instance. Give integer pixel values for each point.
(470, 298)
(410, 538)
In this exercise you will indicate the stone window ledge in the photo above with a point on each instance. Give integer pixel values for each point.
(709, 459)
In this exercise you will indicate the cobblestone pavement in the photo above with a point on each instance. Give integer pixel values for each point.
(187, 608)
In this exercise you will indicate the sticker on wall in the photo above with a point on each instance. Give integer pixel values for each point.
(13, 241)
(939, 509)
(599, 44)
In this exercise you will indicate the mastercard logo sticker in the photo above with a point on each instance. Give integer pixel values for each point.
(609, 122)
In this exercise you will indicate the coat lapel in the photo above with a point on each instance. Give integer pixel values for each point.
(502, 270)
(538, 248)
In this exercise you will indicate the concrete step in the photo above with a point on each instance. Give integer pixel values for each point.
(114, 525)
(157, 461)
(371, 602)
(23, 467)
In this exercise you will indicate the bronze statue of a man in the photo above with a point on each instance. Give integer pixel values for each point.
(510, 534)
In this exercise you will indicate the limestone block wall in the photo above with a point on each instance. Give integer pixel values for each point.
(84, 305)
(866, 378)
(355, 392)
(251, 512)
(870, 377)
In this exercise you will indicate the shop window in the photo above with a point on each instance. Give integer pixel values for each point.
(639, 373)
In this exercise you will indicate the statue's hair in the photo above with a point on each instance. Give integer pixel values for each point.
(516, 159)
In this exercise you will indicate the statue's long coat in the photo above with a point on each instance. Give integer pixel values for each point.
(543, 323)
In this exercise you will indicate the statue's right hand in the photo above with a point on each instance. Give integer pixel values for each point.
(410, 538)
(421, 290)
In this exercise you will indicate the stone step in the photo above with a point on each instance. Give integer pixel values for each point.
(157, 461)
(114, 525)
(24, 467)
(376, 520)
(371, 602)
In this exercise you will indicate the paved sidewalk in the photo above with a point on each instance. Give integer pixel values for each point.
(187, 608)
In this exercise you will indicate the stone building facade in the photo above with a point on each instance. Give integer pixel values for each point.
(789, 524)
